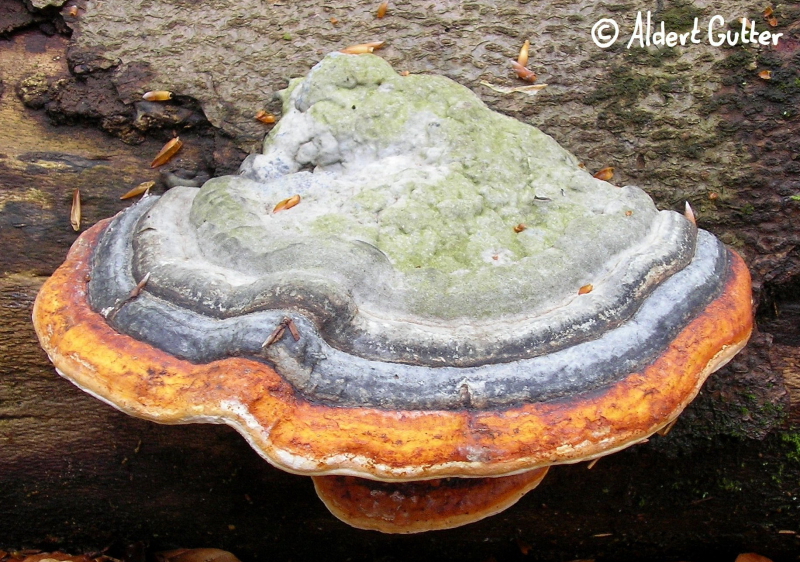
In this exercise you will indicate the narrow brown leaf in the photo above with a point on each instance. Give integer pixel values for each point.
(689, 214)
(158, 95)
(522, 59)
(287, 203)
(519, 228)
(524, 73)
(605, 174)
(773, 21)
(591, 464)
(139, 286)
(362, 48)
(586, 289)
(382, 9)
(143, 187)
(276, 334)
(289, 323)
(75, 213)
(768, 11)
(265, 117)
(166, 154)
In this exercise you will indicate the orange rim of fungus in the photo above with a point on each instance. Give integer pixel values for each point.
(312, 439)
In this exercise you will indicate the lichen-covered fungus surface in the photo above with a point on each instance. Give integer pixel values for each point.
(449, 295)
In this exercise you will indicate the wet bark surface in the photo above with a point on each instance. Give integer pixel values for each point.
(697, 124)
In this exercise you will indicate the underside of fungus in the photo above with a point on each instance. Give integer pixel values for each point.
(419, 302)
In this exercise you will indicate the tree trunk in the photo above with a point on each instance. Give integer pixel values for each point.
(696, 123)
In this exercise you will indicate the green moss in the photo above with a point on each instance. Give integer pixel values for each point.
(619, 7)
(672, 86)
(644, 56)
(792, 440)
(730, 485)
(680, 16)
(617, 117)
(35, 196)
(622, 84)
(738, 59)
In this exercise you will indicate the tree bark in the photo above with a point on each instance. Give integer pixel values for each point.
(76, 474)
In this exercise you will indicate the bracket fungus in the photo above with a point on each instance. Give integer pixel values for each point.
(393, 332)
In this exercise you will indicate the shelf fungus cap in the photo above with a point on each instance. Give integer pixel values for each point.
(405, 287)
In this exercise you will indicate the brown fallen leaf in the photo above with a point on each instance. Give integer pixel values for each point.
(773, 21)
(689, 214)
(605, 174)
(265, 117)
(166, 153)
(522, 59)
(276, 334)
(158, 95)
(519, 228)
(75, 212)
(768, 11)
(143, 187)
(765, 75)
(287, 203)
(382, 10)
(289, 323)
(586, 289)
(522, 72)
(137, 290)
(362, 48)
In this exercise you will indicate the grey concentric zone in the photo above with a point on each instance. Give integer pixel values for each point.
(342, 288)
(324, 374)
